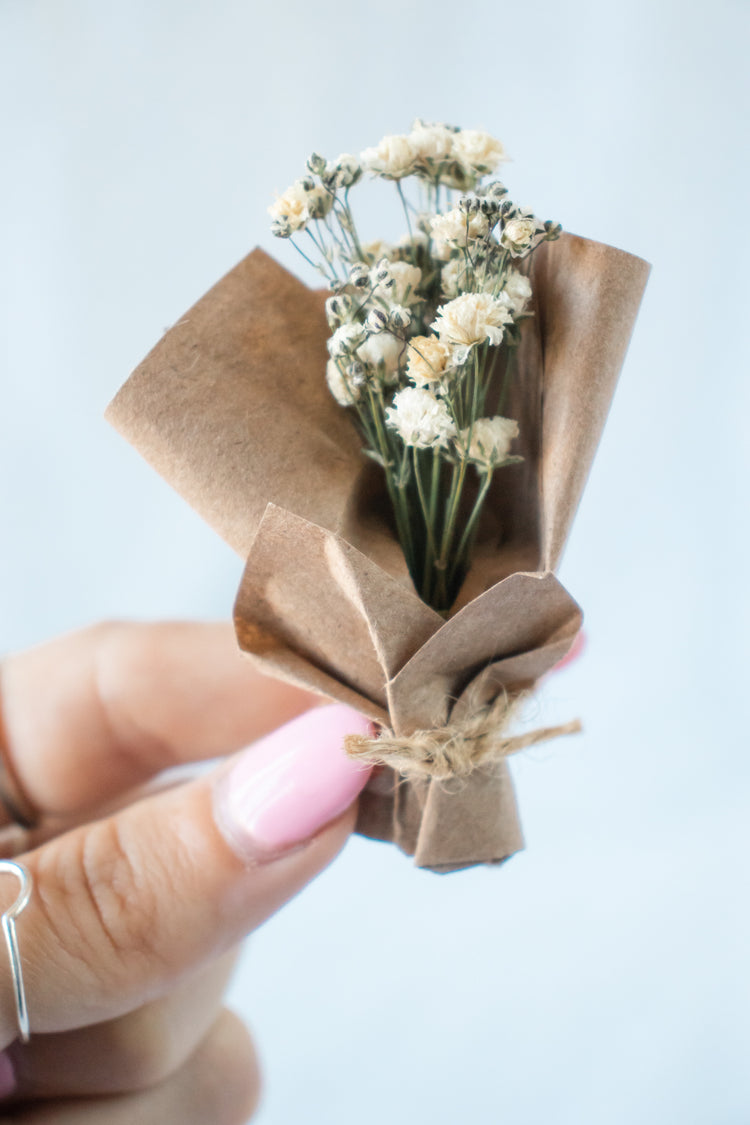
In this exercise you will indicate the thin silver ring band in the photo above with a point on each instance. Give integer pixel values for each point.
(11, 940)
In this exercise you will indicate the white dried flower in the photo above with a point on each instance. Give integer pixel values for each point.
(346, 340)
(377, 249)
(383, 352)
(432, 144)
(471, 318)
(426, 360)
(516, 292)
(457, 228)
(342, 172)
(453, 277)
(339, 386)
(293, 210)
(393, 158)
(520, 233)
(477, 151)
(487, 443)
(406, 279)
(420, 418)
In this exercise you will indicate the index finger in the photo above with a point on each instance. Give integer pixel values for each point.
(95, 713)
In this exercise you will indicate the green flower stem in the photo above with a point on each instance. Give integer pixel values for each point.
(467, 538)
(396, 487)
(430, 549)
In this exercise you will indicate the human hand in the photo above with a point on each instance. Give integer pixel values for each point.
(128, 939)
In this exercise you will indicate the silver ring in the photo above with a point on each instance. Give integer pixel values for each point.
(11, 940)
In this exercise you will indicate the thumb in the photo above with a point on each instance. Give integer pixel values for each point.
(126, 906)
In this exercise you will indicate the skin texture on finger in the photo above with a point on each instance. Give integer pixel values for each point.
(219, 1085)
(134, 1052)
(124, 908)
(96, 712)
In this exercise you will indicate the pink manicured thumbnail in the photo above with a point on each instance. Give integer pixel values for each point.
(286, 787)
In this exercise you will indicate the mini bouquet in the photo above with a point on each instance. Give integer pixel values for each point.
(398, 459)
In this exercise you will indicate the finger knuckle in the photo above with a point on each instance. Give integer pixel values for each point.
(103, 908)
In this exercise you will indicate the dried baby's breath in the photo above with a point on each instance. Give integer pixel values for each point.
(417, 326)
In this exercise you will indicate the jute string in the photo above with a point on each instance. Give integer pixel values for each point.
(459, 748)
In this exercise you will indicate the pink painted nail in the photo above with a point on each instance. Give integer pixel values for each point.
(7, 1076)
(286, 787)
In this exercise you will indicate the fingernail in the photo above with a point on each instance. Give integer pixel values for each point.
(286, 787)
(7, 1076)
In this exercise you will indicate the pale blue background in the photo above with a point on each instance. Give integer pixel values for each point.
(602, 976)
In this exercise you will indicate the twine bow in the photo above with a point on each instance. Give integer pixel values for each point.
(459, 748)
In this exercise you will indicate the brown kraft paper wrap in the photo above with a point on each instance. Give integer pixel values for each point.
(232, 408)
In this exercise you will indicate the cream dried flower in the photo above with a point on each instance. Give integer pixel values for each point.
(405, 280)
(420, 418)
(453, 276)
(339, 386)
(520, 233)
(393, 158)
(376, 250)
(432, 144)
(342, 172)
(471, 318)
(346, 339)
(516, 292)
(479, 153)
(383, 353)
(458, 228)
(487, 443)
(427, 360)
(293, 210)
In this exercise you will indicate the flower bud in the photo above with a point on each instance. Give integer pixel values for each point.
(316, 164)
(281, 228)
(359, 276)
(399, 317)
(495, 190)
(377, 321)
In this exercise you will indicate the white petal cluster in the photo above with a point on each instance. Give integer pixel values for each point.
(377, 249)
(521, 233)
(420, 418)
(393, 158)
(432, 150)
(454, 276)
(293, 210)
(487, 443)
(478, 152)
(396, 282)
(427, 360)
(343, 390)
(471, 318)
(346, 340)
(459, 229)
(383, 353)
(516, 292)
(342, 172)
(432, 144)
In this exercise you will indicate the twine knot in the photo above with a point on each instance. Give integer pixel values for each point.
(458, 748)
